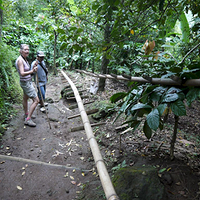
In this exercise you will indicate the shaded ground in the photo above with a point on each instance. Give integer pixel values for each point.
(58, 145)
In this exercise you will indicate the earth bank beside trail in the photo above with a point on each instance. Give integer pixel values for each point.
(58, 145)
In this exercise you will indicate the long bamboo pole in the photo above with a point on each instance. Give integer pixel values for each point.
(161, 81)
(18, 159)
(102, 171)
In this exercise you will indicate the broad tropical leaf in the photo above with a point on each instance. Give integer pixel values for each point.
(170, 97)
(153, 119)
(161, 108)
(192, 95)
(178, 108)
(116, 97)
(147, 130)
(140, 106)
(184, 27)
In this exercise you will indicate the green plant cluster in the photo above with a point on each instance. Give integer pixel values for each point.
(10, 90)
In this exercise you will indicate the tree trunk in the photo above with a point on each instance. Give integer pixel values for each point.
(174, 137)
(105, 60)
(54, 56)
(1, 23)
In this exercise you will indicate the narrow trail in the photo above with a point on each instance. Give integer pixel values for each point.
(58, 145)
(60, 164)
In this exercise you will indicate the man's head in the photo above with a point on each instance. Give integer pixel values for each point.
(40, 56)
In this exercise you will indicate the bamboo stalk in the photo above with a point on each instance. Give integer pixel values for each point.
(74, 98)
(79, 128)
(89, 112)
(155, 81)
(18, 159)
(76, 106)
(102, 171)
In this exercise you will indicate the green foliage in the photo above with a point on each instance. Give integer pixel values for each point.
(10, 90)
(149, 102)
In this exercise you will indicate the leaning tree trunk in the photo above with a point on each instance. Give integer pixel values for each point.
(105, 60)
(174, 137)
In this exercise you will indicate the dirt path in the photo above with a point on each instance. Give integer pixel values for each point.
(22, 180)
(60, 146)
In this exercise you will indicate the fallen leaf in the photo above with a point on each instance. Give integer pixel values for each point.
(83, 174)
(73, 182)
(82, 158)
(169, 169)
(78, 192)
(66, 175)
(178, 183)
(7, 148)
(72, 177)
(19, 188)
(23, 173)
(2, 162)
(79, 184)
(73, 170)
(94, 173)
(162, 170)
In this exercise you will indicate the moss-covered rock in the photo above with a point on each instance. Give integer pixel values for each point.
(106, 108)
(138, 183)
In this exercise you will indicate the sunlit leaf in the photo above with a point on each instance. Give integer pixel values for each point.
(132, 32)
(19, 188)
(73, 182)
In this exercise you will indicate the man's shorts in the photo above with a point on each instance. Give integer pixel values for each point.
(28, 89)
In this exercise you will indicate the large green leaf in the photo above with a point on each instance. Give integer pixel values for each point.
(192, 95)
(170, 97)
(153, 119)
(147, 130)
(178, 108)
(116, 97)
(140, 106)
(161, 108)
(184, 27)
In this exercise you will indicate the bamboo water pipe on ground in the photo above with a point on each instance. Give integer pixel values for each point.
(102, 171)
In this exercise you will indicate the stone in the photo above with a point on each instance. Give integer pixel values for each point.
(138, 183)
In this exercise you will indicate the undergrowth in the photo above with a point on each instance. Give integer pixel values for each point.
(10, 90)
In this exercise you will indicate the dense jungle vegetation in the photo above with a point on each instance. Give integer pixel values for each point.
(150, 38)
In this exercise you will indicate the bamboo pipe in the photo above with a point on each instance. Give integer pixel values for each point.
(18, 159)
(102, 171)
(161, 81)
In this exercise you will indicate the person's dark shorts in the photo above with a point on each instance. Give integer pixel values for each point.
(28, 89)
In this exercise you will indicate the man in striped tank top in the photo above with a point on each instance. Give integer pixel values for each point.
(26, 84)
